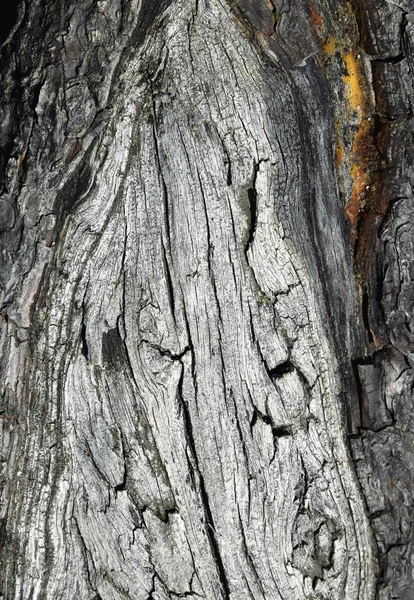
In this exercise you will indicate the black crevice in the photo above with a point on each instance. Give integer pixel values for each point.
(168, 280)
(281, 431)
(278, 431)
(359, 394)
(164, 516)
(168, 353)
(84, 345)
(252, 326)
(366, 360)
(227, 162)
(253, 420)
(229, 176)
(379, 513)
(390, 60)
(121, 487)
(152, 590)
(252, 197)
(275, 15)
(280, 370)
(191, 349)
(302, 489)
(380, 428)
(8, 18)
(265, 418)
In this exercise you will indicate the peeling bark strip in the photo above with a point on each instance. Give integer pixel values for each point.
(207, 225)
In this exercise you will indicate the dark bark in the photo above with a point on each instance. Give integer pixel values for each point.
(207, 235)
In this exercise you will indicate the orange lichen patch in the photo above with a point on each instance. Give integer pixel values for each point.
(329, 46)
(354, 80)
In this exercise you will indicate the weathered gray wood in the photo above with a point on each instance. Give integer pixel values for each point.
(207, 361)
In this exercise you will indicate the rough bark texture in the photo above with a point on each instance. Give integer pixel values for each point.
(207, 230)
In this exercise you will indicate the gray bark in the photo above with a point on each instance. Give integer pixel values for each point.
(207, 226)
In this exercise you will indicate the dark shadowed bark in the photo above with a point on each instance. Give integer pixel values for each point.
(207, 244)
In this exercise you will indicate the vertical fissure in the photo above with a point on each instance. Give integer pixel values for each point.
(252, 200)
(210, 528)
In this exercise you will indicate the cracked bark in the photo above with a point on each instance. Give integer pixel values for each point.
(207, 224)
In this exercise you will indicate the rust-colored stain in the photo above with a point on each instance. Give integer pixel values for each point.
(325, 41)
(74, 150)
(361, 133)
(355, 153)
(339, 153)
(362, 166)
(354, 205)
(316, 21)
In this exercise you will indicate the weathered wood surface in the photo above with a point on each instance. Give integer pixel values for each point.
(207, 234)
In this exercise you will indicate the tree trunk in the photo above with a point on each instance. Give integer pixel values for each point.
(207, 231)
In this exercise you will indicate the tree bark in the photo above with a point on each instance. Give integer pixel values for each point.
(207, 226)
